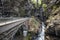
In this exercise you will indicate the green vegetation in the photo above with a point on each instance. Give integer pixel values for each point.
(34, 25)
(35, 3)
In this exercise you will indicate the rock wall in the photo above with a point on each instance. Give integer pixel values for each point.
(53, 25)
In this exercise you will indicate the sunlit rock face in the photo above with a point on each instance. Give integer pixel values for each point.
(53, 20)
(34, 25)
(53, 27)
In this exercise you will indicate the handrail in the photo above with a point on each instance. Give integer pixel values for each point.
(12, 21)
(4, 27)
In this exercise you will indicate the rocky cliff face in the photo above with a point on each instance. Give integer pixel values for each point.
(53, 23)
(53, 26)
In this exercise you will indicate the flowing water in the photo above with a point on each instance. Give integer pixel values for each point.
(41, 34)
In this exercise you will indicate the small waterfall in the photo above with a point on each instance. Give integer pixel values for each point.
(41, 35)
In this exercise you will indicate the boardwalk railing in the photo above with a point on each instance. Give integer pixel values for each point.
(9, 28)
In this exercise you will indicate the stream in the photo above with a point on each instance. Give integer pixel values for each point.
(41, 34)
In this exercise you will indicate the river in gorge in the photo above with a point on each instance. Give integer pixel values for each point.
(41, 35)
